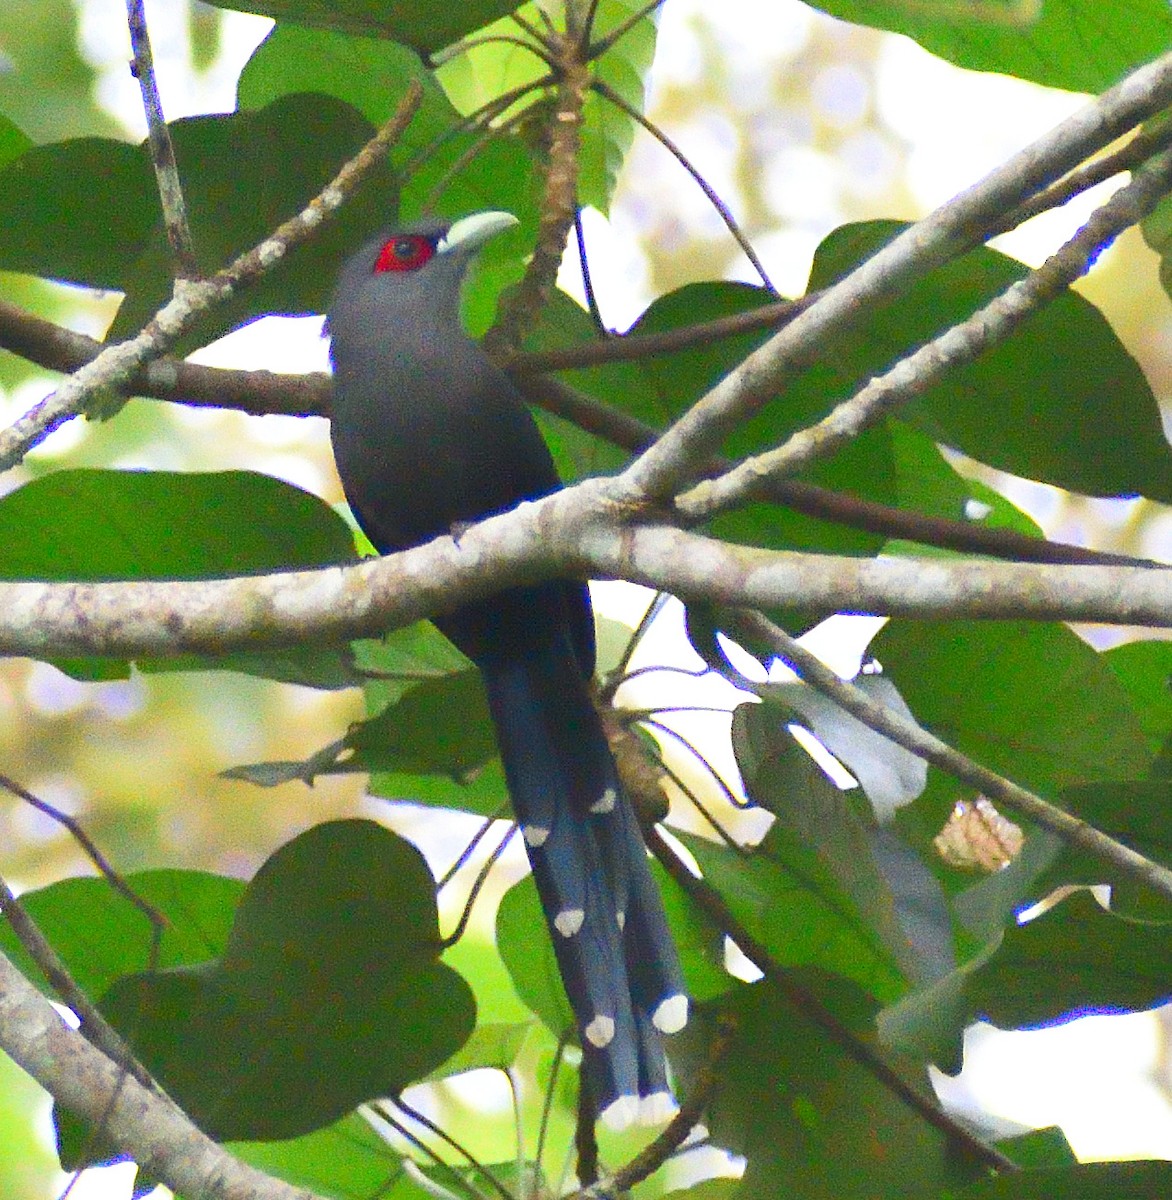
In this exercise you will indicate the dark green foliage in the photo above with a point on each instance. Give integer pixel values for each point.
(272, 1009)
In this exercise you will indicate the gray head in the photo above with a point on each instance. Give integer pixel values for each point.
(417, 269)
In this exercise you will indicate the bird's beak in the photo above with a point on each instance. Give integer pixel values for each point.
(470, 233)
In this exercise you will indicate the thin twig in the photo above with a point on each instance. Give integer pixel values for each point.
(193, 297)
(486, 132)
(582, 31)
(444, 1136)
(1143, 146)
(633, 347)
(585, 1135)
(454, 51)
(1004, 793)
(709, 901)
(958, 346)
(616, 678)
(93, 1024)
(600, 47)
(465, 854)
(720, 831)
(587, 281)
(547, 1102)
(382, 1108)
(162, 151)
(481, 116)
(477, 884)
(725, 213)
(89, 847)
(666, 1143)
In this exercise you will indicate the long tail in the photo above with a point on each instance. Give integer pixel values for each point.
(617, 959)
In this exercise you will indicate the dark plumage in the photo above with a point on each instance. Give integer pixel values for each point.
(428, 434)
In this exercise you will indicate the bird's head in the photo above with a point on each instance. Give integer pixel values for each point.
(419, 268)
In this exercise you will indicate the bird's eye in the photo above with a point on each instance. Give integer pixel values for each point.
(406, 253)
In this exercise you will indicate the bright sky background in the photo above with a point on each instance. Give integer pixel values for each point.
(1094, 1076)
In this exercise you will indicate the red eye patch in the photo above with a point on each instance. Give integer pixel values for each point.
(406, 253)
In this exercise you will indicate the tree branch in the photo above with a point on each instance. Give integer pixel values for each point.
(146, 1126)
(261, 393)
(94, 1025)
(709, 901)
(958, 346)
(563, 534)
(162, 151)
(950, 231)
(1003, 792)
(519, 308)
(118, 363)
(710, 193)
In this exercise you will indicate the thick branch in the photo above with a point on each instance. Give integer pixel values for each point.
(960, 345)
(562, 534)
(118, 363)
(950, 231)
(262, 393)
(145, 1125)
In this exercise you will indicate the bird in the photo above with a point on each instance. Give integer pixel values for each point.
(429, 436)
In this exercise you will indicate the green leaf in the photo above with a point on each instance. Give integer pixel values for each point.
(524, 943)
(1137, 813)
(1039, 1149)
(1145, 670)
(13, 143)
(1081, 1181)
(789, 899)
(426, 27)
(372, 75)
(1071, 961)
(344, 1160)
(781, 777)
(1077, 45)
(91, 525)
(927, 483)
(495, 1045)
(328, 993)
(1063, 381)
(1017, 697)
(889, 775)
(441, 726)
(101, 935)
(810, 1118)
(79, 210)
(87, 210)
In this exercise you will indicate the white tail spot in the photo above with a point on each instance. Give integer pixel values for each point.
(657, 1108)
(671, 1015)
(600, 1031)
(569, 921)
(535, 835)
(621, 1113)
(605, 803)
